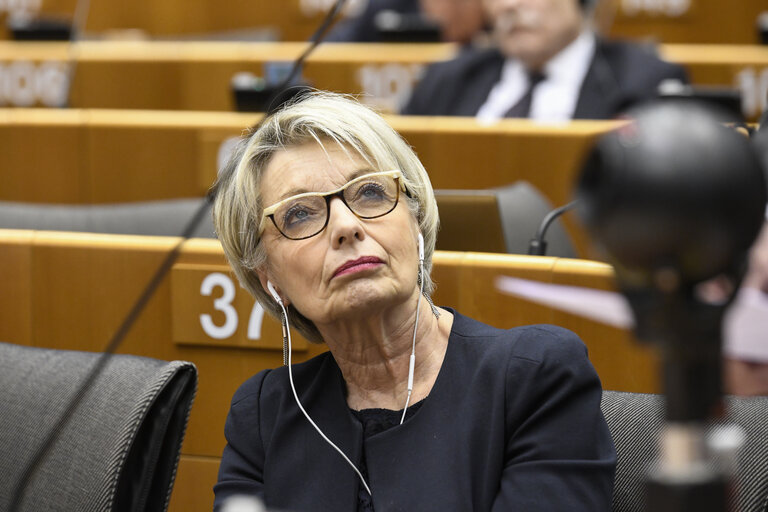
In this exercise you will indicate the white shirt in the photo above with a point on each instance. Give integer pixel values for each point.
(555, 98)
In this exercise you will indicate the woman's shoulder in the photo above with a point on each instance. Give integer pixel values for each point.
(533, 342)
(270, 382)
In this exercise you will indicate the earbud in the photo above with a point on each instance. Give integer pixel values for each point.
(421, 247)
(274, 293)
(412, 362)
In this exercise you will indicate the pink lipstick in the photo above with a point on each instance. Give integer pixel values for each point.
(364, 263)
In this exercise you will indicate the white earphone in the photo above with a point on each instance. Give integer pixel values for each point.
(274, 293)
(412, 361)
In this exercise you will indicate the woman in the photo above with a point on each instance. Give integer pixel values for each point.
(322, 210)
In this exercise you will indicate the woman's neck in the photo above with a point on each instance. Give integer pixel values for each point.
(374, 352)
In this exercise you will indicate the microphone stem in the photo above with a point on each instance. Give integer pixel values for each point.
(316, 39)
(538, 246)
(551, 216)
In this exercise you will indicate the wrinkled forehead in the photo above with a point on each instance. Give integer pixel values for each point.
(311, 167)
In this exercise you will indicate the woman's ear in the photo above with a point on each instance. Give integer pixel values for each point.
(272, 288)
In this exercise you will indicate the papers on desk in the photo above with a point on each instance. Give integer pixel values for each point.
(745, 326)
(605, 307)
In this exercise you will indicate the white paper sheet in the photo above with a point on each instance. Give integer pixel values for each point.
(606, 307)
(745, 326)
(745, 329)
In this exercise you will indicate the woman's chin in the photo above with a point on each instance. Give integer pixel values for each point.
(367, 298)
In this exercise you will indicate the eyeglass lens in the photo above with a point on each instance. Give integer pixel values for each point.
(367, 197)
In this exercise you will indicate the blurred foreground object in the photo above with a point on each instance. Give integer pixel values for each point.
(675, 200)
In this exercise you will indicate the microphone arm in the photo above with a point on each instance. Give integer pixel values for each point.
(264, 97)
(316, 39)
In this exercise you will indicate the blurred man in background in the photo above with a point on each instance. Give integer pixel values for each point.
(546, 64)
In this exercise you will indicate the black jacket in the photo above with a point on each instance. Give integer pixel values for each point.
(513, 422)
(620, 76)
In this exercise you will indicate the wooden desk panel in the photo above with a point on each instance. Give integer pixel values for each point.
(193, 489)
(151, 161)
(41, 151)
(51, 156)
(479, 298)
(16, 278)
(197, 75)
(289, 20)
(687, 21)
(142, 155)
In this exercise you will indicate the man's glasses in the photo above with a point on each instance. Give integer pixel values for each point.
(305, 215)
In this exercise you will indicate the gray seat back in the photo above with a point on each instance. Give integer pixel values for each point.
(119, 451)
(635, 421)
(162, 218)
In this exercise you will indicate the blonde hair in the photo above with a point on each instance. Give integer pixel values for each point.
(318, 117)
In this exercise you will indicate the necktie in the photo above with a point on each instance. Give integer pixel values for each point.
(523, 107)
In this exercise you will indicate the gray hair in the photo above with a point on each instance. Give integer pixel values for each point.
(317, 117)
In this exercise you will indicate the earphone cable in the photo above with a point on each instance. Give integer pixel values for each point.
(412, 361)
(287, 333)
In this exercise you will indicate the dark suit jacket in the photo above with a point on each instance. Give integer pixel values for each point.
(513, 422)
(621, 75)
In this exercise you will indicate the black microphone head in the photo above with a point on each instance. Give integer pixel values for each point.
(762, 123)
(674, 188)
(760, 140)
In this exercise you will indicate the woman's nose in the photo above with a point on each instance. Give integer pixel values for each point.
(344, 225)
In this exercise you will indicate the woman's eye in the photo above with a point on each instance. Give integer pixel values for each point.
(371, 191)
(296, 214)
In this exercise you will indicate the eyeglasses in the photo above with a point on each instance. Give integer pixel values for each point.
(305, 215)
